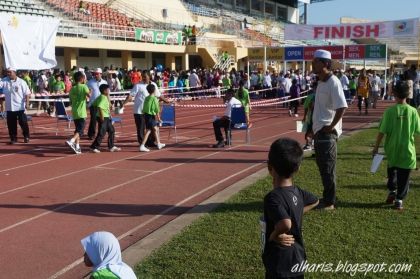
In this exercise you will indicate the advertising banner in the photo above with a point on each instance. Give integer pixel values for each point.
(159, 37)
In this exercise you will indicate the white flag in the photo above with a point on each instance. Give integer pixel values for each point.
(29, 41)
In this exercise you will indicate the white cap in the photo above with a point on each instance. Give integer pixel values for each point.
(11, 69)
(81, 70)
(98, 70)
(320, 53)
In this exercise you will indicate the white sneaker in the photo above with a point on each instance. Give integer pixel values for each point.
(161, 145)
(95, 150)
(72, 145)
(115, 149)
(144, 148)
(78, 150)
(296, 115)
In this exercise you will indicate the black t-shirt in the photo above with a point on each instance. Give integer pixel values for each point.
(284, 203)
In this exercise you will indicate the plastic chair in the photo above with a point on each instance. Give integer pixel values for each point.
(61, 114)
(168, 119)
(238, 122)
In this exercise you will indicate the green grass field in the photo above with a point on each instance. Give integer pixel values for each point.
(226, 244)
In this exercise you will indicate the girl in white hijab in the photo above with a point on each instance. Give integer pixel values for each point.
(103, 254)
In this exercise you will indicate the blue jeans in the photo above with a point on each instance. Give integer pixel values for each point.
(326, 159)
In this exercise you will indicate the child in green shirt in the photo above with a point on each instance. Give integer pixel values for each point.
(104, 120)
(399, 123)
(78, 95)
(243, 96)
(151, 112)
(59, 85)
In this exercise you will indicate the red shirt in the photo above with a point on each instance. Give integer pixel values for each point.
(135, 78)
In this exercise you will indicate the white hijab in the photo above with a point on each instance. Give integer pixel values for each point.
(104, 251)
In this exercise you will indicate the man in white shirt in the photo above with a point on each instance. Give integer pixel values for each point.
(375, 83)
(224, 121)
(139, 93)
(344, 83)
(194, 83)
(330, 105)
(16, 93)
(93, 86)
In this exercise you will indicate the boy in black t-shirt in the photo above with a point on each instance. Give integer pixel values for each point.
(283, 250)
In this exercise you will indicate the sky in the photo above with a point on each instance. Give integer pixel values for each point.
(329, 12)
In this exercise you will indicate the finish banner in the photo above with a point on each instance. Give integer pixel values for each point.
(374, 30)
(159, 37)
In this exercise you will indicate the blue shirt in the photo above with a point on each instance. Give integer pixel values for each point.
(93, 85)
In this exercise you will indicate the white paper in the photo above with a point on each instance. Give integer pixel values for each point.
(376, 162)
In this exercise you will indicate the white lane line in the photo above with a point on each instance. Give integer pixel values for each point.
(155, 217)
(104, 191)
(121, 169)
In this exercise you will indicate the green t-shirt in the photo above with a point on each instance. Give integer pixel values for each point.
(151, 105)
(102, 103)
(399, 124)
(51, 83)
(352, 84)
(77, 96)
(59, 86)
(308, 105)
(104, 274)
(226, 82)
(28, 81)
(245, 97)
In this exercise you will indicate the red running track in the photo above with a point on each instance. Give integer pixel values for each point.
(51, 198)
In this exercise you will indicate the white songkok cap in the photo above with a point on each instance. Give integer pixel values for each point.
(11, 69)
(320, 53)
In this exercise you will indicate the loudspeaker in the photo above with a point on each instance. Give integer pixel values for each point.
(164, 13)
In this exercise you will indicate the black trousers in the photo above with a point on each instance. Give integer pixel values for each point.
(218, 124)
(92, 124)
(359, 103)
(326, 159)
(294, 105)
(140, 128)
(398, 180)
(104, 127)
(12, 118)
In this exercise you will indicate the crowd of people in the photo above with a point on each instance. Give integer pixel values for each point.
(330, 94)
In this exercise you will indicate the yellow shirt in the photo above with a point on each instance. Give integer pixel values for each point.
(362, 87)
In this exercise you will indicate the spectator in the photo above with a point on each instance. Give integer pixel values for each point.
(83, 8)
(103, 254)
(330, 105)
(294, 94)
(284, 206)
(375, 90)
